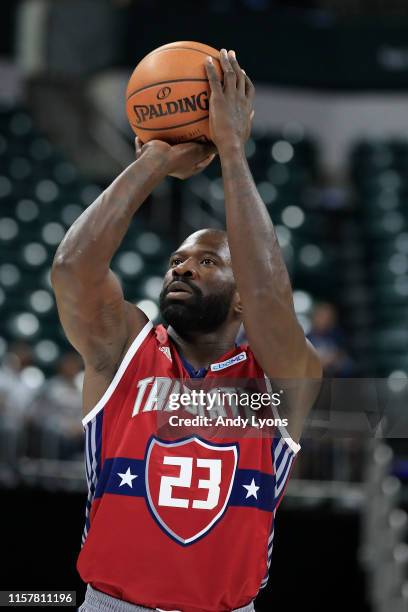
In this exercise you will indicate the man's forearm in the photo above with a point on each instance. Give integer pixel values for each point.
(256, 256)
(263, 283)
(93, 239)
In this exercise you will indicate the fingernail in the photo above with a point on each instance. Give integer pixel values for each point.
(233, 54)
(209, 59)
(224, 51)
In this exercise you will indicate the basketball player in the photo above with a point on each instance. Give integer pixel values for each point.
(185, 525)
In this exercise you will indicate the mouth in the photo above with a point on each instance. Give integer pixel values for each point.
(177, 290)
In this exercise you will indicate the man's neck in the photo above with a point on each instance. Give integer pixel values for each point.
(199, 349)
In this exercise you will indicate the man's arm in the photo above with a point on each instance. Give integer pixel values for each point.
(273, 331)
(91, 305)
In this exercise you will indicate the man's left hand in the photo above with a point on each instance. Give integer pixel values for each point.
(181, 160)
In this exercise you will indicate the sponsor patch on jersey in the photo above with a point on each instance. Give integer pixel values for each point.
(166, 351)
(228, 362)
(188, 485)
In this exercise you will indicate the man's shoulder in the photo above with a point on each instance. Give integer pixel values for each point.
(148, 338)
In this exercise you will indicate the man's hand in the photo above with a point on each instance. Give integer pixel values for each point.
(181, 160)
(231, 109)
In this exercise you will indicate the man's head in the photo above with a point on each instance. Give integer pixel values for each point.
(69, 365)
(324, 317)
(19, 356)
(199, 292)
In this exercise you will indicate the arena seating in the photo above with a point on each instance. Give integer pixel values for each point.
(357, 258)
(379, 171)
(41, 195)
(384, 528)
(284, 169)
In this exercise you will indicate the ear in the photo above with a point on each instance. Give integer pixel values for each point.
(236, 304)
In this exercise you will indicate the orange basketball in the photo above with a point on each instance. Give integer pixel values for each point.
(168, 93)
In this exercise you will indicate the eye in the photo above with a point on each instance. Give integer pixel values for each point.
(175, 262)
(207, 261)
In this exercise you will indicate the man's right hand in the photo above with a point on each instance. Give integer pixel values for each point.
(181, 160)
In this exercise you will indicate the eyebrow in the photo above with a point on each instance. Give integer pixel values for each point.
(203, 252)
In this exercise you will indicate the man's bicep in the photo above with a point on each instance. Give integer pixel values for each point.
(277, 340)
(94, 318)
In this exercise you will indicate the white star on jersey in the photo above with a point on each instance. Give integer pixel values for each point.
(251, 490)
(127, 478)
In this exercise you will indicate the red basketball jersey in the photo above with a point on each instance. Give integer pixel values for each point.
(177, 524)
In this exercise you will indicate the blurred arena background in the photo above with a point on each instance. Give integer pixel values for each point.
(329, 154)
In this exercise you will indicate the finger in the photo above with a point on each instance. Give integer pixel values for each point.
(210, 149)
(204, 154)
(194, 152)
(138, 147)
(240, 76)
(249, 87)
(215, 83)
(196, 149)
(205, 147)
(204, 163)
(196, 168)
(251, 117)
(230, 79)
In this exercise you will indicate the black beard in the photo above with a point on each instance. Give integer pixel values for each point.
(198, 313)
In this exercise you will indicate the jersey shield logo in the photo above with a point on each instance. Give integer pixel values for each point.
(188, 485)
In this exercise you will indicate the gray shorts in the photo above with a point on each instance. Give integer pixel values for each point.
(95, 601)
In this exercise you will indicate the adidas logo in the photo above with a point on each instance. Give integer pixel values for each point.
(166, 351)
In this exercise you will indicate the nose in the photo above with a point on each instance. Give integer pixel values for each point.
(185, 268)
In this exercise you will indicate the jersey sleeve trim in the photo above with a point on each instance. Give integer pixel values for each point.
(294, 446)
(121, 370)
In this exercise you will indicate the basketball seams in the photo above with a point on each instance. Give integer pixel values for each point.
(165, 83)
(171, 127)
(170, 48)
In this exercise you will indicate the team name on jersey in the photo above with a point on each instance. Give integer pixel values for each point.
(155, 393)
(169, 394)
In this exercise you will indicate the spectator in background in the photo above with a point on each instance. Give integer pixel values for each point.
(13, 390)
(57, 411)
(15, 399)
(328, 338)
